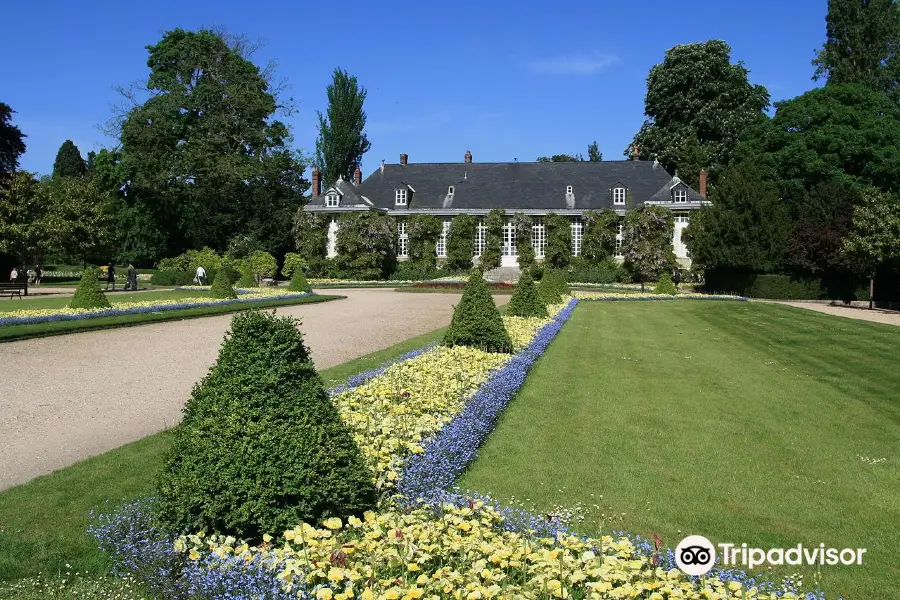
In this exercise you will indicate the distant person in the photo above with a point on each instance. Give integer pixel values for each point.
(676, 277)
(111, 276)
(132, 277)
(38, 273)
(31, 275)
(14, 274)
(201, 275)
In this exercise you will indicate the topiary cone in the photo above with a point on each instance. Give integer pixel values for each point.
(665, 285)
(548, 288)
(476, 320)
(299, 283)
(525, 301)
(221, 285)
(88, 294)
(261, 446)
(247, 279)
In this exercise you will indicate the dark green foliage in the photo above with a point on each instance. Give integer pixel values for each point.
(88, 294)
(696, 92)
(342, 140)
(745, 228)
(409, 271)
(221, 285)
(311, 235)
(560, 158)
(549, 291)
(525, 301)
(173, 278)
(366, 245)
(665, 285)
(861, 44)
(594, 154)
(821, 221)
(12, 144)
(584, 271)
(598, 236)
(490, 257)
(424, 231)
(461, 242)
(261, 446)
(68, 161)
(647, 243)
(476, 320)
(524, 245)
(242, 246)
(785, 287)
(559, 241)
(298, 282)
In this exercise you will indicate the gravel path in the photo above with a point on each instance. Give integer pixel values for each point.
(69, 397)
(877, 315)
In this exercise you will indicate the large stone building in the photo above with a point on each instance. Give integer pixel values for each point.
(536, 189)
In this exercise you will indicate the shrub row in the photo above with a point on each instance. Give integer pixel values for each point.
(784, 287)
(177, 278)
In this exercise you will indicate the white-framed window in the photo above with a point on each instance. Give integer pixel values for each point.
(682, 218)
(680, 195)
(539, 237)
(568, 189)
(400, 197)
(509, 240)
(480, 237)
(402, 240)
(620, 236)
(332, 200)
(619, 195)
(451, 190)
(441, 246)
(577, 229)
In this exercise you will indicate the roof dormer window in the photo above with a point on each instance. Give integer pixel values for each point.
(619, 195)
(451, 190)
(400, 197)
(680, 195)
(332, 200)
(568, 189)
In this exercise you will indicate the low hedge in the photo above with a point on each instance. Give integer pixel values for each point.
(177, 278)
(785, 287)
(460, 285)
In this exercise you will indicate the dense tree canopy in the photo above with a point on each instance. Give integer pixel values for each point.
(697, 93)
(342, 140)
(12, 141)
(821, 221)
(647, 243)
(560, 158)
(862, 44)
(69, 162)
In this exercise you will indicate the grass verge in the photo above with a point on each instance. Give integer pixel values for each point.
(10, 333)
(746, 423)
(43, 523)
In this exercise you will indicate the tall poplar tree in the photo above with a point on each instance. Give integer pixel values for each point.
(68, 161)
(342, 140)
(12, 142)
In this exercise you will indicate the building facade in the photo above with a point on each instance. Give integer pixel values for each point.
(535, 189)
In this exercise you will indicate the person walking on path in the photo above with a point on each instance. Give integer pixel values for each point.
(201, 275)
(111, 276)
(676, 277)
(132, 277)
(14, 274)
(38, 273)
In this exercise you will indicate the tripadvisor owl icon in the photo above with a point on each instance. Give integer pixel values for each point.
(695, 555)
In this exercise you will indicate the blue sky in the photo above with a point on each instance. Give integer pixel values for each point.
(505, 80)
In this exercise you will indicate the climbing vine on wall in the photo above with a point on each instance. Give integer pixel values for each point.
(461, 242)
(490, 257)
(366, 243)
(598, 239)
(311, 235)
(525, 248)
(559, 241)
(424, 231)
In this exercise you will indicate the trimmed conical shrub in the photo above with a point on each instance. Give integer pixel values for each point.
(476, 320)
(247, 279)
(548, 288)
(525, 301)
(88, 294)
(221, 285)
(562, 283)
(665, 285)
(261, 446)
(298, 282)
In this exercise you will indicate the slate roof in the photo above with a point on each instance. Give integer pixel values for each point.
(350, 196)
(518, 186)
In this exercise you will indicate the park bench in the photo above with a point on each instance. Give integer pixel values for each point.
(13, 288)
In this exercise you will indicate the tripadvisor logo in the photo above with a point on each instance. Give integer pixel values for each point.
(696, 555)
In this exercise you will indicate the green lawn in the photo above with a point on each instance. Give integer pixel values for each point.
(43, 523)
(56, 301)
(743, 422)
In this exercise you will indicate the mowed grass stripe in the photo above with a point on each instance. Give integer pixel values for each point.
(742, 422)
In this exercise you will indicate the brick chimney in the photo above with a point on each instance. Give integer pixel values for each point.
(703, 183)
(635, 152)
(316, 182)
(404, 158)
(468, 156)
(357, 176)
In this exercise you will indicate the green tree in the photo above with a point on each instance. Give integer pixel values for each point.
(559, 241)
(77, 222)
(874, 236)
(862, 44)
(263, 265)
(342, 140)
(12, 142)
(697, 91)
(299, 282)
(424, 231)
(525, 301)
(476, 321)
(745, 228)
(261, 446)
(493, 239)
(647, 243)
(524, 245)
(598, 238)
(68, 161)
(311, 236)
(560, 158)
(221, 286)
(292, 262)
(594, 154)
(461, 242)
(820, 223)
(22, 214)
(366, 245)
(204, 157)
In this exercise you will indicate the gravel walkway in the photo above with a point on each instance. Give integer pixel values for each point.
(877, 315)
(69, 397)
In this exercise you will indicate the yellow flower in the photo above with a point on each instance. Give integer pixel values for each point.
(413, 567)
(333, 523)
(324, 594)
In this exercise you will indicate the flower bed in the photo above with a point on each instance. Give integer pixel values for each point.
(331, 283)
(613, 296)
(47, 315)
(459, 285)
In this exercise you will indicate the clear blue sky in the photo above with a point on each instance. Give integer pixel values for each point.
(505, 80)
